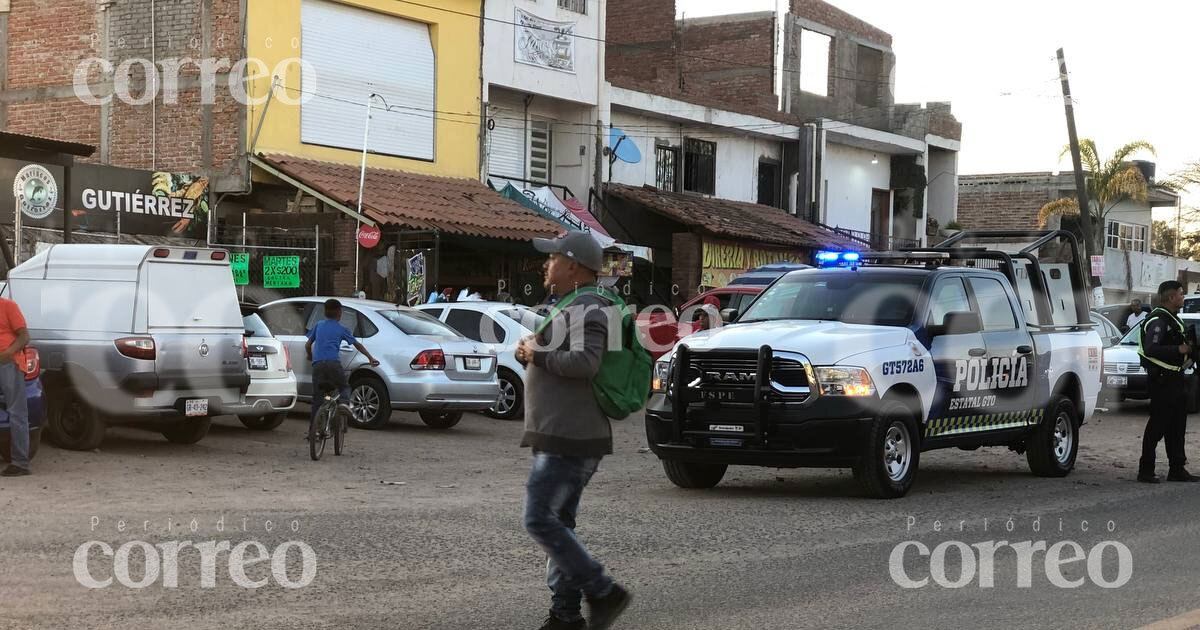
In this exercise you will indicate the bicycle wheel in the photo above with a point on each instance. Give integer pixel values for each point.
(341, 420)
(317, 434)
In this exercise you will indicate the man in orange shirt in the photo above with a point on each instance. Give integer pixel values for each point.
(13, 339)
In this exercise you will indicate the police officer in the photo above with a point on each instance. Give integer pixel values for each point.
(1164, 353)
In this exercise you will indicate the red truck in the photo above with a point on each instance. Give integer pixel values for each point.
(660, 330)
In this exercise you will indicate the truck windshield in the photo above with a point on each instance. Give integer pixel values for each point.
(845, 296)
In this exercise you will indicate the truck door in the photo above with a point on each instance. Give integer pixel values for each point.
(1011, 363)
(953, 353)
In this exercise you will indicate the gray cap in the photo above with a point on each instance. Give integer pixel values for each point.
(576, 245)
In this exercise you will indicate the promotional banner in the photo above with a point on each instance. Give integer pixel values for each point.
(416, 279)
(545, 43)
(240, 264)
(722, 260)
(281, 272)
(106, 199)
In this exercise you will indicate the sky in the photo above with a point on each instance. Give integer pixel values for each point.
(1131, 68)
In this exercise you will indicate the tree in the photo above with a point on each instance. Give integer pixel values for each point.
(1184, 178)
(1162, 234)
(1109, 183)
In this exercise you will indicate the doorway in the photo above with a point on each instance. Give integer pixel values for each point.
(881, 210)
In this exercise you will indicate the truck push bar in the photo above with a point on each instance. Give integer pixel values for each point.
(957, 248)
(762, 389)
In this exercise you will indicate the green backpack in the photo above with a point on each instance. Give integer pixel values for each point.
(622, 384)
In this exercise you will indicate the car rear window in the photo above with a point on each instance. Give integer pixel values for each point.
(255, 326)
(414, 322)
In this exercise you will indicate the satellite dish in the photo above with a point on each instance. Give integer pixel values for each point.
(622, 147)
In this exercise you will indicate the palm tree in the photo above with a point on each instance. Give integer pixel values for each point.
(1108, 183)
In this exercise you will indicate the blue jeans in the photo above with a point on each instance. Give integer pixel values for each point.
(552, 494)
(12, 385)
(327, 375)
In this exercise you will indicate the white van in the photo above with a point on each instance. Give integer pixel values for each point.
(132, 334)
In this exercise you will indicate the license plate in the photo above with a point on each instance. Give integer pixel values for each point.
(1118, 380)
(258, 363)
(727, 427)
(472, 363)
(724, 442)
(197, 407)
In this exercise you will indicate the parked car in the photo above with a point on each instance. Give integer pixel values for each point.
(37, 406)
(1124, 377)
(499, 326)
(1109, 333)
(660, 331)
(133, 334)
(1116, 314)
(425, 366)
(766, 274)
(272, 392)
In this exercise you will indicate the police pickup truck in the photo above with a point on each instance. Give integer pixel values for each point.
(876, 357)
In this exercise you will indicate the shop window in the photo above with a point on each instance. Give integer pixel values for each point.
(539, 150)
(666, 170)
(1126, 236)
(699, 166)
(814, 62)
(768, 184)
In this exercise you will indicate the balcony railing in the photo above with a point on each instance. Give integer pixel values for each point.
(879, 242)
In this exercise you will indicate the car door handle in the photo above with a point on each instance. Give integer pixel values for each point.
(977, 352)
(1024, 349)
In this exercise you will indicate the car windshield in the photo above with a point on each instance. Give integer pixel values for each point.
(1132, 337)
(845, 296)
(415, 322)
(528, 319)
(255, 326)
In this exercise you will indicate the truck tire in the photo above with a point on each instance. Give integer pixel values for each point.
(72, 423)
(693, 475)
(370, 404)
(188, 431)
(1055, 442)
(263, 423)
(441, 419)
(887, 466)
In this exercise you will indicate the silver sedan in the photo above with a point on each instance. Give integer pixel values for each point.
(425, 366)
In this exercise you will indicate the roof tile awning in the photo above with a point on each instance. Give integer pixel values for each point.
(733, 219)
(423, 202)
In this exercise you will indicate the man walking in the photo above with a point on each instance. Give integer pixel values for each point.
(13, 339)
(1136, 315)
(568, 432)
(1165, 352)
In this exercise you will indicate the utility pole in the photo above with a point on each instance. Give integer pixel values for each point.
(1085, 211)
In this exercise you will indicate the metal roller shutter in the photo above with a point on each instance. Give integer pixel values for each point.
(506, 143)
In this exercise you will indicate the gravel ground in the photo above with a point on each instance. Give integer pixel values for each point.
(443, 546)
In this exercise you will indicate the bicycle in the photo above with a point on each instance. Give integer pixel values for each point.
(331, 420)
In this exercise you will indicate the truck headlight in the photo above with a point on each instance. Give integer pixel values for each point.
(844, 381)
(662, 372)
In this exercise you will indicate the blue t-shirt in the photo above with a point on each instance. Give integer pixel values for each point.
(327, 336)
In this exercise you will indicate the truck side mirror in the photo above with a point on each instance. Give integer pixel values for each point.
(960, 323)
(729, 315)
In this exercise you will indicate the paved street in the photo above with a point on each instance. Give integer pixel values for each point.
(766, 549)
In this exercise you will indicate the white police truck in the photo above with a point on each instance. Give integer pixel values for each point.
(875, 357)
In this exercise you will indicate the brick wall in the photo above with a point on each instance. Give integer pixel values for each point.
(983, 208)
(829, 15)
(67, 119)
(46, 40)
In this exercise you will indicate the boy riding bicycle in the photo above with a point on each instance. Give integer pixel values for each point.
(324, 343)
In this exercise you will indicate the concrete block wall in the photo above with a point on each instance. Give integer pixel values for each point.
(983, 207)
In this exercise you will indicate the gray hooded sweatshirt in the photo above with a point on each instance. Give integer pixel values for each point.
(561, 413)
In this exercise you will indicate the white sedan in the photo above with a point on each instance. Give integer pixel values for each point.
(500, 326)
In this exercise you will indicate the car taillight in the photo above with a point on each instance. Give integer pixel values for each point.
(245, 352)
(429, 360)
(136, 347)
(287, 358)
(33, 363)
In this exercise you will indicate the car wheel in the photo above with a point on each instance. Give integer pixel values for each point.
(188, 431)
(887, 466)
(1055, 442)
(35, 439)
(441, 419)
(511, 403)
(370, 406)
(73, 424)
(263, 423)
(692, 475)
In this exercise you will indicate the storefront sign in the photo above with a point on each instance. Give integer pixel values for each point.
(281, 272)
(369, 235)
(240, 264)
(722, 260)
(1098, 266)
(416, 279)
(545, 43)
(107, 199)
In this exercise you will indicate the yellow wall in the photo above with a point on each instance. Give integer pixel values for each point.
(272, 26)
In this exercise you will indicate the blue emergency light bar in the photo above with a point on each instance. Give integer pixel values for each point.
(837, 259)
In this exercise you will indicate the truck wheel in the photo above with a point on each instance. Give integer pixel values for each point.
(441, 419)
(188, 431)
(888, 466)
(370, 405)
(73, 424)
(1055, 442)
(263, 423)
(692, 475)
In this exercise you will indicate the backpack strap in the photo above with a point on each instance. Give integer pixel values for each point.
(567, 299)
